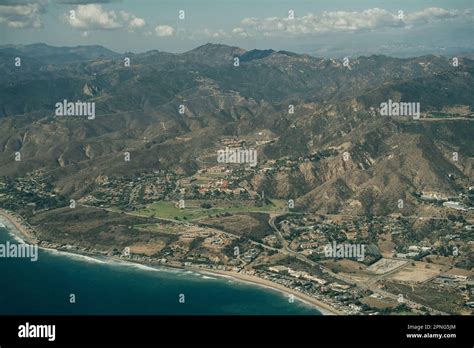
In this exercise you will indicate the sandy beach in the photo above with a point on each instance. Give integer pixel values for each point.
(26, 235)
(324, 308)
(321, 306)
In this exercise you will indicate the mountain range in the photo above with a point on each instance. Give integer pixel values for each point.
(335, 112)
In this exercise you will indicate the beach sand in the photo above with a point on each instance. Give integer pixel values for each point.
(324, 308)
(321, 306)
(24, 232)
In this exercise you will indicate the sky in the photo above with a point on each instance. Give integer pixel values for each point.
(332, 28)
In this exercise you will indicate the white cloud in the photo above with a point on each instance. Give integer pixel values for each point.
(434, 14)
(240, 32)
(95, 17)
(335, 21)
(136, 23)
(219, 33)
(164, 30)
(21, 16)
(250, 21)
(125, 15)
(343, 21)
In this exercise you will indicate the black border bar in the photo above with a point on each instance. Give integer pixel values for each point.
(241, 330)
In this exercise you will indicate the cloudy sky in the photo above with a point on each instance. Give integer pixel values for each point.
(323, 28)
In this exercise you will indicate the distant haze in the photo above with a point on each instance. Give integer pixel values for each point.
(324, 28)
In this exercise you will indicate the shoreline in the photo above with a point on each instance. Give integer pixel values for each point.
(322, 307)
(27, 236)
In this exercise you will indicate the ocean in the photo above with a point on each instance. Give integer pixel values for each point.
(107, 287)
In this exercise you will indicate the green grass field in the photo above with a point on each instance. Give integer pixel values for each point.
(168, 210)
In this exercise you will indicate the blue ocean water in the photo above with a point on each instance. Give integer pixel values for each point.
(44, 287)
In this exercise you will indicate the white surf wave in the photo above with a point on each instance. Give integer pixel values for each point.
(73, 255)
(207, 277)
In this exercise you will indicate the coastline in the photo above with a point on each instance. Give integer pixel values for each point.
(21, 229)
(322, 307)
